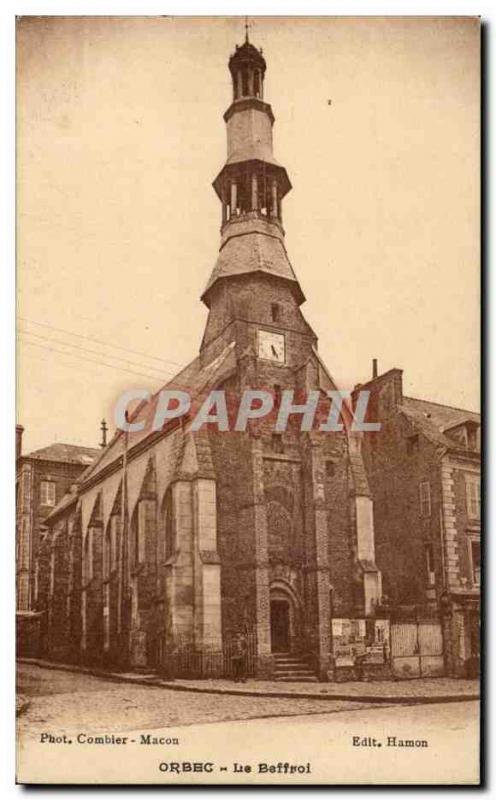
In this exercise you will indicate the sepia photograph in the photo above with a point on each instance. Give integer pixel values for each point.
(248, 439)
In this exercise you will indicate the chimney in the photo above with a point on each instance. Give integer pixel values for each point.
(374, 368)
(19, 432)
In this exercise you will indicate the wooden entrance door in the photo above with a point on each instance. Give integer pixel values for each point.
(279, 626)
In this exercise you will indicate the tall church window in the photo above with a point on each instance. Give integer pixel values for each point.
(425, 499)
(70, 579)
(107, 548)
(52, 572)
(88, 556)
(36, 580)
(168, 525)
(140, 534)
(114, 541)
(47, 493)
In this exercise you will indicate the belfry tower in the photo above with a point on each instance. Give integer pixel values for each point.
(251, 187)
(294, 521)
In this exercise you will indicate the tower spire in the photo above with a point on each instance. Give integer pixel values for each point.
(252, 184)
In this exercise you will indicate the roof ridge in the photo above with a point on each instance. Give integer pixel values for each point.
(66, 444)
(441, 405)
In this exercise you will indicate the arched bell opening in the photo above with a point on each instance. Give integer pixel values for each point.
(247, 82)
(251, 192)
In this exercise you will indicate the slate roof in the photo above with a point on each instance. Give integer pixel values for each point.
(253, 151)
(192, 379)
(253, 252)
(67, 453)
(434, 419)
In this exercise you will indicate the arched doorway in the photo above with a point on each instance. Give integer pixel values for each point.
(284, 618)
(280, 625)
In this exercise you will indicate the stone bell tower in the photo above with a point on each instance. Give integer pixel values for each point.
(289, 501)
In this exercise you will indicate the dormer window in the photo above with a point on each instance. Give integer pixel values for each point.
(473, 437)
(465, 434)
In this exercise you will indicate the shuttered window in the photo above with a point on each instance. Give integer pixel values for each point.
(473, 496)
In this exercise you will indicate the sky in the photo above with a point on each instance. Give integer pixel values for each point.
(119, 137)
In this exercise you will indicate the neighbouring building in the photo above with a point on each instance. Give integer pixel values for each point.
(423, 469)
(43, 477)
(175, 540)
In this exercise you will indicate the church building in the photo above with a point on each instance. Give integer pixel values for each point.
(174, 540)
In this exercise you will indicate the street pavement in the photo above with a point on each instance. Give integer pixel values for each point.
(389, 691)
(236, 734)
(71, 702)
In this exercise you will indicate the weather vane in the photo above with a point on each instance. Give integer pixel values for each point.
(246, 30)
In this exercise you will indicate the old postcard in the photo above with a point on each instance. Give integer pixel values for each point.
(248, 526)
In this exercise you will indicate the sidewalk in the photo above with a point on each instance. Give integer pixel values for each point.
(416, 690)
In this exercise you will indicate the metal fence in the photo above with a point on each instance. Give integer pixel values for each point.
(187, 662)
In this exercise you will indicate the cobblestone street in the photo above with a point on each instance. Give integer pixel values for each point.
(67, 702)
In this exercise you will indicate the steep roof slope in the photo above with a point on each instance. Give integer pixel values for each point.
(67, 453)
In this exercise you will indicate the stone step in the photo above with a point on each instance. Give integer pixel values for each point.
(292, 668)
(289, 659)
(295, 668)
(289, 667)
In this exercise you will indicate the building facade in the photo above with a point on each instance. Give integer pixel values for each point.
(177, 539)
(423, 469)
(43, 477)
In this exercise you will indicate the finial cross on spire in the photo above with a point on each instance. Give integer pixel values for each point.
(247, 26)
(104, 429)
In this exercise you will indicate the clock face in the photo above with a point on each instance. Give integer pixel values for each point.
(271, 346)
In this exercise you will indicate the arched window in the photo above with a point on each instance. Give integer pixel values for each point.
(168, 526)
(107, 550)
(137, 536)
(256, 89)
(115, 522)
(88, 556)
